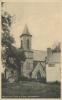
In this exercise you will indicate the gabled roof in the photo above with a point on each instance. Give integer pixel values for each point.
(39, 55)
(35, 63)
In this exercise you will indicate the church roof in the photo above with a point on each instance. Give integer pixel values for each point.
(39, 55)
(26, 31)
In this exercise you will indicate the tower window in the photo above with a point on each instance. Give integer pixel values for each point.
(28, 44)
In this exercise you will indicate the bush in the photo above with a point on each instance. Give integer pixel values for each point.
(23, 78)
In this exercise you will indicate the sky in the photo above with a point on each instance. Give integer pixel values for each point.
(44, 21)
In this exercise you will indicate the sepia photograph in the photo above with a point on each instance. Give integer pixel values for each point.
(31, 49)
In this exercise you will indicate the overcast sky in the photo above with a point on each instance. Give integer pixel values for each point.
(44, 21)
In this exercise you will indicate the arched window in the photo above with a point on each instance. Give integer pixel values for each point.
(28, 44)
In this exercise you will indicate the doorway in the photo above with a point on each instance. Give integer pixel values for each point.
(38, 76)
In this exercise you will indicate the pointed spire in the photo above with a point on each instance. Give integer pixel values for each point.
(26, 31)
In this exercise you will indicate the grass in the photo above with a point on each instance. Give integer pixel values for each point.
(25, 89)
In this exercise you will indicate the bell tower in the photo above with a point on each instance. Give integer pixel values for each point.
(26, 38)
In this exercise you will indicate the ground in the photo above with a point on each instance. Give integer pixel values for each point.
(31, 89)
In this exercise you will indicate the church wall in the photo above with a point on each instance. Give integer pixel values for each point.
(27, 67)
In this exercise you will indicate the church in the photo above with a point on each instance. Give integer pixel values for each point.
(38, 64)
(35, 65)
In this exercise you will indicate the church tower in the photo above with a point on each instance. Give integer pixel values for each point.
(26, 38)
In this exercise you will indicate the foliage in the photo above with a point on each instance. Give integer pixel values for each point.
(57, 48)
(7, 39)
(14, 57)
(11, 56)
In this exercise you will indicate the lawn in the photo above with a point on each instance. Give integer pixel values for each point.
(25, 89)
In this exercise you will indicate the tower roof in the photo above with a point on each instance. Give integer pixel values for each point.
(26, 31)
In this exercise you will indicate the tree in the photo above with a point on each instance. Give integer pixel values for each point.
(11, 56)
(19, 58)
(7, 40)
(57, 47)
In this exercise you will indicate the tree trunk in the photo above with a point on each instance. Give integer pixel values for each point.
(5, 74)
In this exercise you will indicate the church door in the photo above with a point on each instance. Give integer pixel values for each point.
(38, 76)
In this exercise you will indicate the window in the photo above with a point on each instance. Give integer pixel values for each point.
(28, 44)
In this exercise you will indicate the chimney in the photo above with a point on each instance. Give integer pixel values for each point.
(49, 52)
